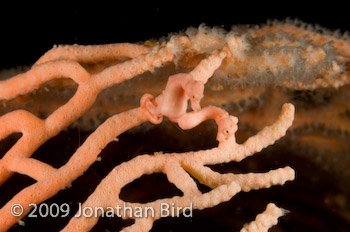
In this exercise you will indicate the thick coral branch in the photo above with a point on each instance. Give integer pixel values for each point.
(31, 167)
(182, 180)
(269, 134)
(206, 68)
(264, 221)
(39, 74)
(248, 182)
(93, 54)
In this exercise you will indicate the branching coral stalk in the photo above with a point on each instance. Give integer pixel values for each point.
(36, 131)
(265, 220)
(172, 103)
(176, 166)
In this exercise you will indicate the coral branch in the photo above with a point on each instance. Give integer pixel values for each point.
(247, 182)
(206, 68)
(39, 74)
(92, 54)
(269, 134)
(182, 180)
(264, 220)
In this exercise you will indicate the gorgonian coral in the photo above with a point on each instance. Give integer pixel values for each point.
(284, 55)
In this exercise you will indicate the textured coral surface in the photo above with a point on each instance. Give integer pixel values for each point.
(267, 67)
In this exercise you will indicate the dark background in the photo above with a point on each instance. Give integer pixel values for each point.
(27, 31)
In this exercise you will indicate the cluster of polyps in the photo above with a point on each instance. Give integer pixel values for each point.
(172, 103)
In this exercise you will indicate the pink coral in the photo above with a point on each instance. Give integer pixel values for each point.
(172, 103)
